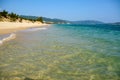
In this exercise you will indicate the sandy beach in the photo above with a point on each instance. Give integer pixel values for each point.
(9, 27)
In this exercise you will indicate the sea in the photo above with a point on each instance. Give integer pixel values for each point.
(61, 52)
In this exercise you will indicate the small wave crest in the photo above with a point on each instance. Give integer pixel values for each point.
(36, 29)
(10, 37)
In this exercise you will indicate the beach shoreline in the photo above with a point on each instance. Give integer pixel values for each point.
(10, 27)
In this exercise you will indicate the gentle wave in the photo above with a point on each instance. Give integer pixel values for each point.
(35, 29)
(10, 37)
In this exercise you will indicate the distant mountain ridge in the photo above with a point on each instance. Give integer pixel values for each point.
(60, 21)
(47, 20)
(117, 23)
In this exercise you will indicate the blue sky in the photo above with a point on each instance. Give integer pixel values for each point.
(102, 10)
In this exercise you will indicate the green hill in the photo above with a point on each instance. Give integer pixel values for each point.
(46, 20)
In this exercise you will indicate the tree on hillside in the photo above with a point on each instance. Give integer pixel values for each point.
(4, 13)
(20, 20)
(40, 19)
(13, 16)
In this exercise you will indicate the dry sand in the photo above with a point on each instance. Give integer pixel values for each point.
(9, 27)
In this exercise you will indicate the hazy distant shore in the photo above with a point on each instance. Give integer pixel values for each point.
(9, 27)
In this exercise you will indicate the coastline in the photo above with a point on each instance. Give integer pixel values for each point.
(10, 27)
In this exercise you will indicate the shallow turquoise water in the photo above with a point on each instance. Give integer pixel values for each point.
(63, 52)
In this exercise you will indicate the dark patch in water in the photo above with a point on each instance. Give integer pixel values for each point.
(28, 78)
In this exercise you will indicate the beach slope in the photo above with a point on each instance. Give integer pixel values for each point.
(9, 27)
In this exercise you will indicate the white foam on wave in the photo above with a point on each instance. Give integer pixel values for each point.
(36, 29)
(10, 37)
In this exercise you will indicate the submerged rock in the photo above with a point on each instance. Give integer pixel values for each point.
(28, 78)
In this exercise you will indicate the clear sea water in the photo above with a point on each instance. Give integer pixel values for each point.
(63, 52)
